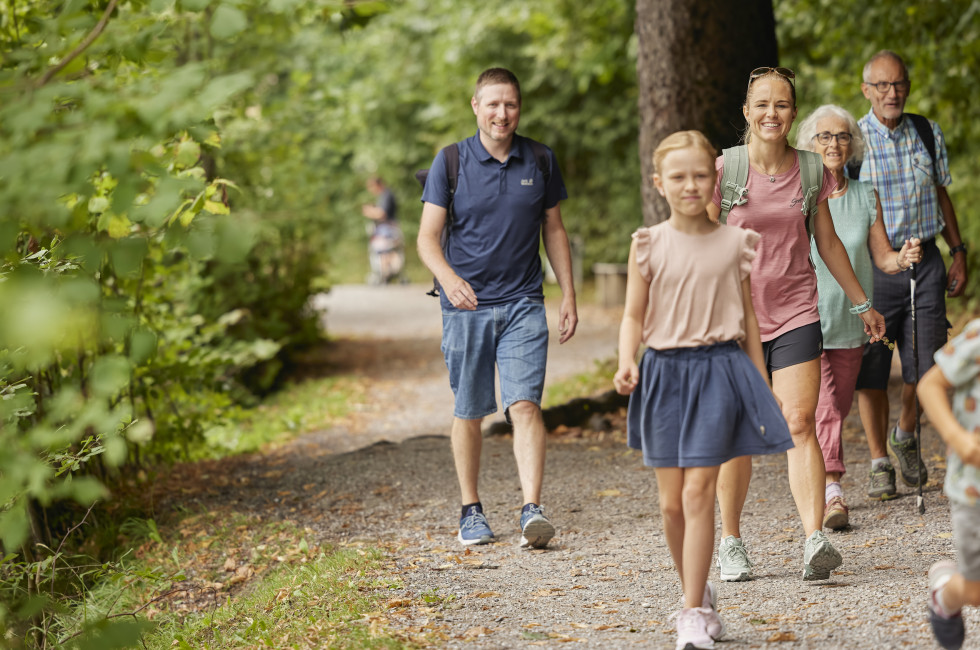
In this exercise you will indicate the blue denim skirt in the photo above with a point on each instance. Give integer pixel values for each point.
(699, 407)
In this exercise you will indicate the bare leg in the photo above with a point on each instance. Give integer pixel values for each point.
(467, 439)
(529, 448)
(959, 592)
(873, 406)
(699, 531)
(797, 387)
(733, 488)
(670, 488)
(907, 418)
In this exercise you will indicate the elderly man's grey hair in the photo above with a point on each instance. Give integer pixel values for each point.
(807, 129)
(883, 54)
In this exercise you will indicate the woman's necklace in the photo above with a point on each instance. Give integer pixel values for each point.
(772, 174)
(841, 188)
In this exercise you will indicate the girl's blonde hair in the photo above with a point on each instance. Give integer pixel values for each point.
(681, 140)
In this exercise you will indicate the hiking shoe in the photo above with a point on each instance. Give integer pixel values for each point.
(947, 628)
(692, 632)
(536, 530)
(733, 560)
(819, 557)
(714, 626)
(905, 455)
(882, 485)
(835, 514)
(473, 527)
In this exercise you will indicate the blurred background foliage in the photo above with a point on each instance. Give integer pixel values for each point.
(178, 177)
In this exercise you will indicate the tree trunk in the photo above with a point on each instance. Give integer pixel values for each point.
(692, 70)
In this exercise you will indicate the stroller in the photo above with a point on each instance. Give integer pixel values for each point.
(386, 251)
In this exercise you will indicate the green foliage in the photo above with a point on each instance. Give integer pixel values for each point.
(827, 43)
(399, 90)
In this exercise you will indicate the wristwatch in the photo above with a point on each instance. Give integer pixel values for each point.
(961, 248)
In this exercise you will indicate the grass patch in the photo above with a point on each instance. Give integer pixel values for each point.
(301, 407)
(218, 579)
(586, 384)
(332, 600)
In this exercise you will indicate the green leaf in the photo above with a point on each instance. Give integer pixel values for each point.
(194, 5)
(110, 374)
(188, 153)
(227, 22)
(142, 346)
(216, 207)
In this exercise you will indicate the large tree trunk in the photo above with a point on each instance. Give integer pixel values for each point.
(692, 71)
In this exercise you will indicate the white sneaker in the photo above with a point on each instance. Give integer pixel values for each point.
(692, 633)
(713, 623)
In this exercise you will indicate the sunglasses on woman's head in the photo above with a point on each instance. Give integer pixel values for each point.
(762, 72)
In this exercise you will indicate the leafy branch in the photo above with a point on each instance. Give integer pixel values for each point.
(81, 47)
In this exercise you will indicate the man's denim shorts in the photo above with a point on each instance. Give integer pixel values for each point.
(514, 337)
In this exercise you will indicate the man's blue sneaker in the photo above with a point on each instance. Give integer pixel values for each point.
(536, 530)
(473, 527)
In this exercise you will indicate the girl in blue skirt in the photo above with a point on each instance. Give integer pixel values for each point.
(700, 396)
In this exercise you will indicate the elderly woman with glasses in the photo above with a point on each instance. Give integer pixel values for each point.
(784, 293)
(833, 133)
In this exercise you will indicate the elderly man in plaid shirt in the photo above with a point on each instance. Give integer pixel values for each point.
(911, 183)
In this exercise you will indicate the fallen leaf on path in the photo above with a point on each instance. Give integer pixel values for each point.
(782, 637)
(608, 493)
(479, 630)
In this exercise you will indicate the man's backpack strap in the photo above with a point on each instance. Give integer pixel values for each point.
(734, 176)
(542, 158)
(450, 156)
(923, 128)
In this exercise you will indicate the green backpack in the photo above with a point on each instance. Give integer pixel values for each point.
(735, 175)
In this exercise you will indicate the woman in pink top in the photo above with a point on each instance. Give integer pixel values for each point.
(784, 293)
(700, 396)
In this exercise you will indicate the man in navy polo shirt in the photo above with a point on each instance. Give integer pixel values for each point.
(490, 276)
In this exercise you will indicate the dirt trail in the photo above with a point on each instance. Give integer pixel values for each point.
(606, 581)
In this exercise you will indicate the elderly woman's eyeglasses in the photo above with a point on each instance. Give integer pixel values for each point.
(825, 137)
(883, 86)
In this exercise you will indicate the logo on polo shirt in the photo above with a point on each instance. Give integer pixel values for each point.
(527, 181)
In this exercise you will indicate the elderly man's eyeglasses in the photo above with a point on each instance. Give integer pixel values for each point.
(883, 86)
(825, 137)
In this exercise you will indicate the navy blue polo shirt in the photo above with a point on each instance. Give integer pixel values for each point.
(499, 209)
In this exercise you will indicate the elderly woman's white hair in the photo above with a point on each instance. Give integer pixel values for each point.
(808, 128)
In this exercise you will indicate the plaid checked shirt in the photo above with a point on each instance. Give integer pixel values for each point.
(899, 166)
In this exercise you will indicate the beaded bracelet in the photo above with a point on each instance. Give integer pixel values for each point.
(863, 307)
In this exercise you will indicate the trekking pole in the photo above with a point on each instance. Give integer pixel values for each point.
(919, 501)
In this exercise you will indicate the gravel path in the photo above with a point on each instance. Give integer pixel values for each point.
(606, 581)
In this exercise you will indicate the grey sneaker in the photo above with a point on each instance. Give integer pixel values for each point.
(948, 629)
(905, 455)
(733, 560)
(882, 485)
(819, 557)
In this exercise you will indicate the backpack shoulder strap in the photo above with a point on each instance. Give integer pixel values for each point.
(450, 156)
(811, 182)
(542, 158)
(734, 176)
(924, 129)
